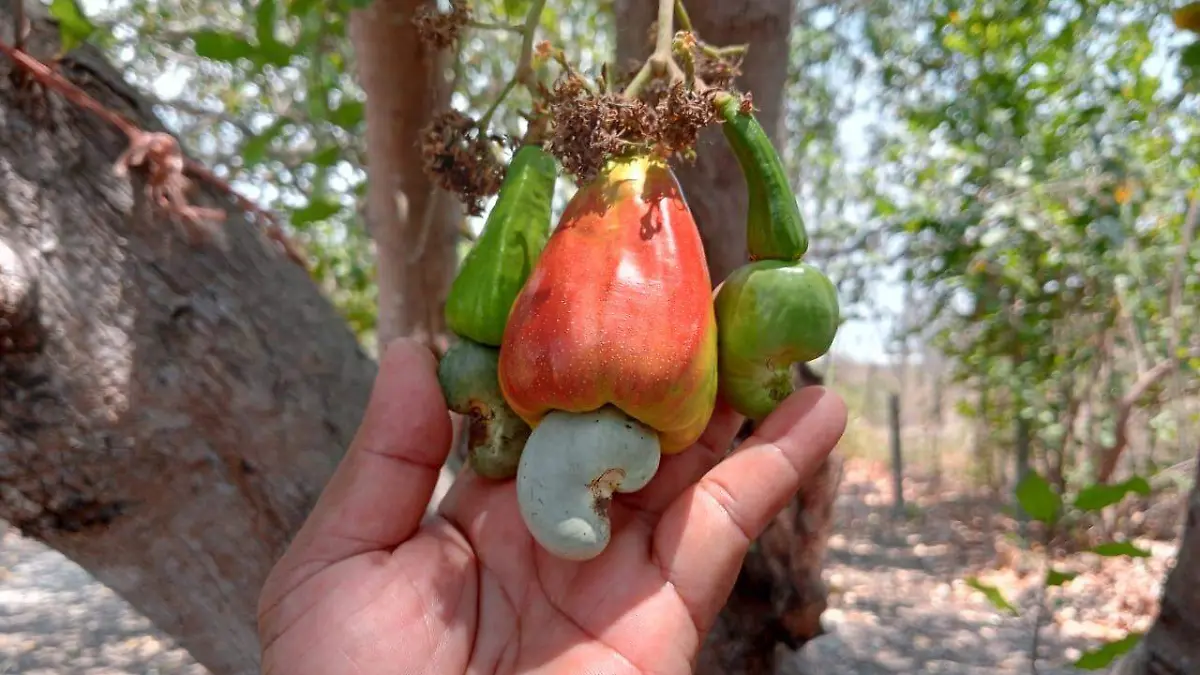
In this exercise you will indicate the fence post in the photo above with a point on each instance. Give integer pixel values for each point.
(897, 464)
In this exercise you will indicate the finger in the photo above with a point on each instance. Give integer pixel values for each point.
(703, 536)
(376, 498)
(677, 472)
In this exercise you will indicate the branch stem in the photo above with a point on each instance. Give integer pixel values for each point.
(484, 25)
(661, 61)
(524, 72)
(681, 13)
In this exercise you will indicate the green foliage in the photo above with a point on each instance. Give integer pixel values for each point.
(265, 93)
(1116, 548)
(1056, 578)
(1103, 656)
(1096, 497)
(1038, 499)
(74, 27)
(993, 595)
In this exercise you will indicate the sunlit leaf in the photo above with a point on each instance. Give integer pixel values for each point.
(1102, 657)
(221, 46)
(326, 156)
(516, 8)
(1037, 498)
(254, 149)
(1118, 548)
(74, 27)
(1057, 578)
(993, 595)
(1096, 497)
(317, 209)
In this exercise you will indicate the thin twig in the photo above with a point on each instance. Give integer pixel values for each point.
(161, 154)
(524, 70)
(660, 60)
(484, 25)
(1173, 303)
(681, 13)
(19, 24)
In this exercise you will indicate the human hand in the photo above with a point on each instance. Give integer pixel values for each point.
(366, 587)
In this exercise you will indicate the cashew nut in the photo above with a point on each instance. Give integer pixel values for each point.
(571, 465)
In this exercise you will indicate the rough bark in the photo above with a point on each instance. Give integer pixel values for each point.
(414, 225)
(1170, 646)
(182, 405)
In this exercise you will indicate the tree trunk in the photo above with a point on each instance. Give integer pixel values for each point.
(169, 411)
(413, 224)
(715, 193)
(1170, 647)
(780, 595)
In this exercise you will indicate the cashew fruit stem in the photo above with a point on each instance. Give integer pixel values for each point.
(570, 468)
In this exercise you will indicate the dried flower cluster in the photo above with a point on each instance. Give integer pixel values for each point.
(460, 159)
(441, 30)
(591, 127)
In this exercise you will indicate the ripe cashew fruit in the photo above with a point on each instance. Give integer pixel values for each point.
(495, 434)
(564, 495)
(618, 312)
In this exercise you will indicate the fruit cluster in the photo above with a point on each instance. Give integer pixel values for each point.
(587, 353)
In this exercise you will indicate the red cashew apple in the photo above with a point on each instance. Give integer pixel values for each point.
(610, 352)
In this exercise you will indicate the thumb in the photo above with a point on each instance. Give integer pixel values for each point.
(377, 496)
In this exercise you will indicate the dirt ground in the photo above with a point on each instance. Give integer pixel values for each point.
(898, 601)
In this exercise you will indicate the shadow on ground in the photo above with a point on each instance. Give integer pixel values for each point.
(899, 603)
(56, 619)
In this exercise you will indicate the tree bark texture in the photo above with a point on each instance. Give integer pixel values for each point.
(1170, 647)
(414, 225)
(172, 410)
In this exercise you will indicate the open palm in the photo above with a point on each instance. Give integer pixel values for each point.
(367, 587)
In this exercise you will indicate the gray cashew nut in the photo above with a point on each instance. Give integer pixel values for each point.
(571, 465)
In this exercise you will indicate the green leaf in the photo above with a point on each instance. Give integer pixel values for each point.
(326, 156)
(993, 595)
(255, 148)
(1113, 549)
(1096, 497)
(319, 208)
(264, 22)
(1190, 56)
(1037, 498)
(1105, 655)
(1056, 578)
(222, 46)
(348, 115)
(516, 8)
(74, 28)
(273, 53)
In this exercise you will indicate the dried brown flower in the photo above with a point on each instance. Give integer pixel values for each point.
(460, 160)
(438, 30)
(590, 128)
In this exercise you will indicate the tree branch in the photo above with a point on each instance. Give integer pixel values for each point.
(163, 158)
